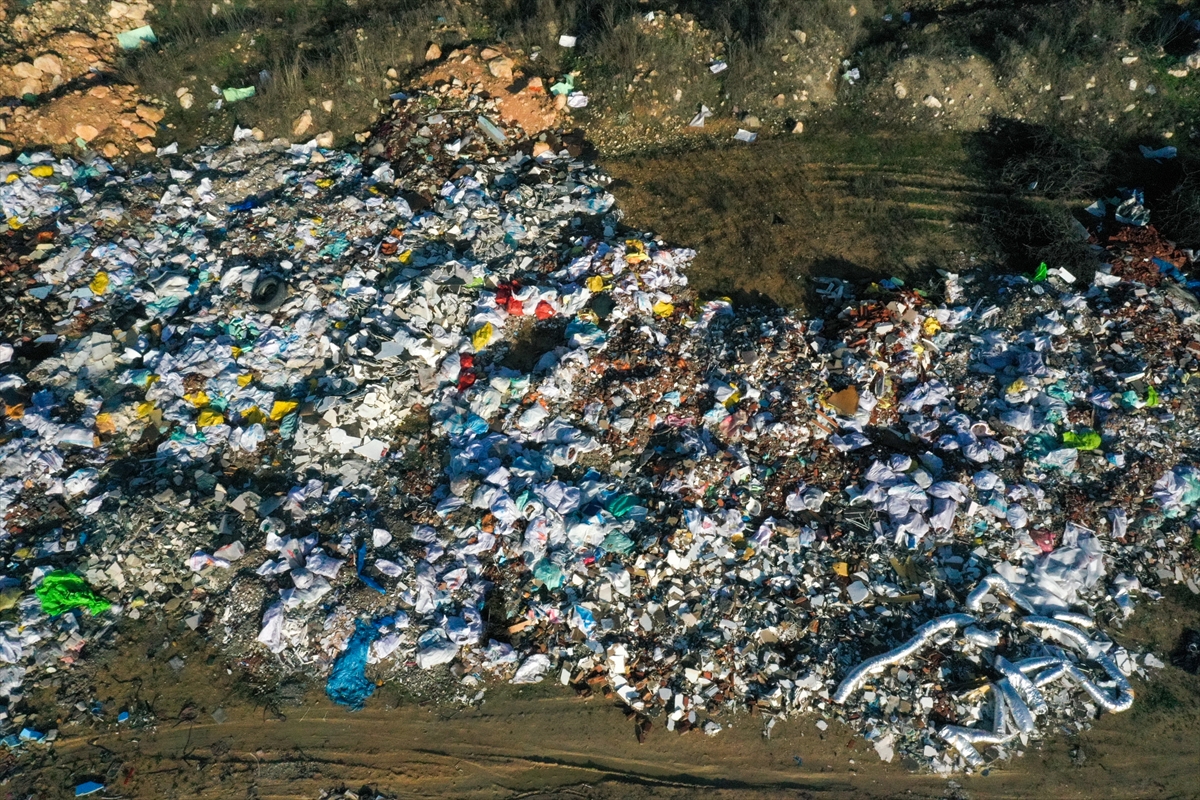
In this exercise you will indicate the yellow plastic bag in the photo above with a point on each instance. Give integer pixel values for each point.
(483, 336)
(208, 418)
(282, 408)
(99, 284)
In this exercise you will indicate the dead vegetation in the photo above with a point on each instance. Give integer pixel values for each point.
(998, 120)
(336, 60)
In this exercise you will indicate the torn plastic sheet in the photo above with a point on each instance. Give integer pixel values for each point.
(133, 39)
(1131, 209)
(271, 634)
(533, 669)
(348, 685)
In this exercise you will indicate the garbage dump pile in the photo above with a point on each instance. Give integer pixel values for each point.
(365, 416)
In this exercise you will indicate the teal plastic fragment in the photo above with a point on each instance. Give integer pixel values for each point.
(132, 40)
(617, 542)
(621, 505)
(548, 573)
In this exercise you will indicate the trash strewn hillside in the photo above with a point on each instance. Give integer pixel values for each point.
(367, 415)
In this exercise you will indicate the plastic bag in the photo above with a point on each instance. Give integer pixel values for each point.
(62, 591)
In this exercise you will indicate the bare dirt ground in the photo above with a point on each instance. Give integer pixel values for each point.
(542, 741)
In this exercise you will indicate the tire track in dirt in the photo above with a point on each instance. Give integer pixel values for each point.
(546, 741)
(792, 210)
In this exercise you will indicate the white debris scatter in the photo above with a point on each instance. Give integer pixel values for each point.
(430, 404)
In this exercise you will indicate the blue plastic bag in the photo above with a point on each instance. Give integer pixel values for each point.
(348, 684)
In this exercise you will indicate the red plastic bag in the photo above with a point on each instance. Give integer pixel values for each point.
(504, 293)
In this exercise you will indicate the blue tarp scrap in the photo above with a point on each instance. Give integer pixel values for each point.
(359, 562)
(348, 684)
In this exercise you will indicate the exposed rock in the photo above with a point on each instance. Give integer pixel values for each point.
(23, 69)
(49, 64)
(501, 67)
(303, 123)
(325, 139)
(434, 52)
(150, 114)
(86, 132)
(931, 102)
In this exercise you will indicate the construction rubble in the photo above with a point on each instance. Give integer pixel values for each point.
(430, 409)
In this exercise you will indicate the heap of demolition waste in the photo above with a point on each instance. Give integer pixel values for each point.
(365, 415)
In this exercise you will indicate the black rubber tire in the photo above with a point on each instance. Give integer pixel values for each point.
(269, 293)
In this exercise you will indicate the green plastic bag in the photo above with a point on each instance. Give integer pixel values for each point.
(621, 505)
(565, 86)
(233, 94)
(1042, 273)
(62, 591)
(1151, 396)
(1085, 440)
